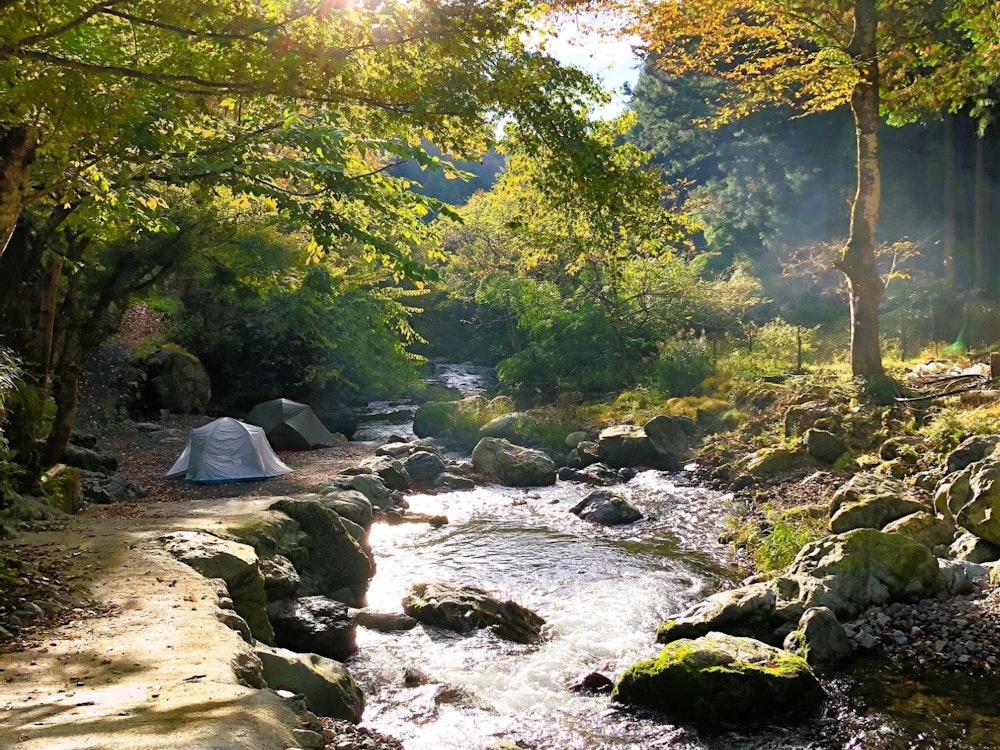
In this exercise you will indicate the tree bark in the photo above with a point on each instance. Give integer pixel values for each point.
(17, 151)
(857, 261)
(948, 242)
(65, 383)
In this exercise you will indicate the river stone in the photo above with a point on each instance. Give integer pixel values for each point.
(981, 514)
(423, 466)
(970, 547)
(607, 508)
(447, 480)
(465, 608)
(395, 450)
(970, 450)
(326, 684)
(235, 563)
(513, 465)
(952, 493)
(669, 438)
(747, 611)
(923, 528)
(599, 475)
(869, 501)
(822, 445)
(316, 624)
(722, 680)
(329, 557)
(390, 470)
(627, 445)
(820, 639)
(382, 622)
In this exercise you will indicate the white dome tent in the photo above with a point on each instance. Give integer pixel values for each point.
(227, 450)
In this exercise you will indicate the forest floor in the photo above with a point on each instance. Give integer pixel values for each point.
(140, 659)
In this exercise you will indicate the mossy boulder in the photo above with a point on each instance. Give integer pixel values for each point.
(923, 528)
(747, 611)
(519, 428)
(720, 679)
(434, 417)
(823, 445)
(770, 461)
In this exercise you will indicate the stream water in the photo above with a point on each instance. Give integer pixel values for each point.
(602, 592)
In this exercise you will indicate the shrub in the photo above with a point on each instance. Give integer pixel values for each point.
(681, 365)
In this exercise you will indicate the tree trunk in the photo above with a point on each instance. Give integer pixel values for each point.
(42, 345)
(948, 258)
(17, 151)
(980, 198)
(857, 262)
(65, 383)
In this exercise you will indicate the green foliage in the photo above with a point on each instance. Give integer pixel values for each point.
(773, 542)
(10, 375)
(682, 364)
(950, 425)
(473, 413)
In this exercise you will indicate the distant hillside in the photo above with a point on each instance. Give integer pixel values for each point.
(455, 192)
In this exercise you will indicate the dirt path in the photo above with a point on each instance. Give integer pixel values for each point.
(143, 661)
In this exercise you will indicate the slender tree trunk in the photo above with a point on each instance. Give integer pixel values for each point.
(65, 383)
(42, 346)
(865, 286)
(950, 209)
(17, 151)
(980, 203)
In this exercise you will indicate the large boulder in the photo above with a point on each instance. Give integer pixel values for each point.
(722, 680)
(845, 572)
(172, 379)
(952, 493)
(349, 504)
(314, 624)
(923, 528)
(370, 485)
(970, 450)
(434, 417)
(466, 608)
(627, 445)
(973, 549)
(823, 445)
(513, 465)
(820, 639)
(606, 508)
(670, 439)
(235, 563)
(423, 466)
(981, 514)
(390, 470)
(768, 462)
(519, 428)
(326, 684)
(328, 556)
(869, 501)
(747, 611)
(852, 571)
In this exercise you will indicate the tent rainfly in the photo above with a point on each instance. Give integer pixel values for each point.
(290, 425)
(227, 450)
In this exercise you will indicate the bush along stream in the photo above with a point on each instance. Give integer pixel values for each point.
(505, 601)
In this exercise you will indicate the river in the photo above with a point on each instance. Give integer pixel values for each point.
(602, 592)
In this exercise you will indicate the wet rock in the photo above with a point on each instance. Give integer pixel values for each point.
(423, 466)
(607, 508)
(328, 557)
(382, 622)
(595, 682)
(390, 470)
(721, 680)
(820, 639)
(326, 684)
(315, 624)
(598, 474)
(513, 465)
(747, 611)
(669, 436)
(465, 608)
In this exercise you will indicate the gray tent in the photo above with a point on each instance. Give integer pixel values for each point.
(227, 450)
(290, 425)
